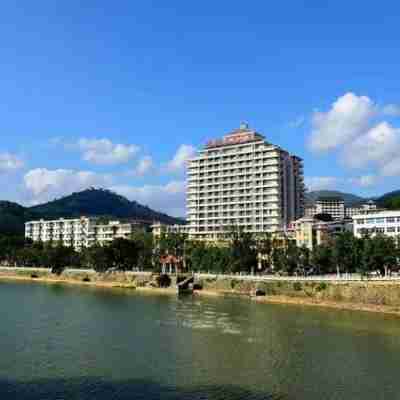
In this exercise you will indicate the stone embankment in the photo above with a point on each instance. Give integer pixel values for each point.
(378, 296)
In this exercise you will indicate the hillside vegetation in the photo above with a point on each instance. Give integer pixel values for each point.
(90, 202)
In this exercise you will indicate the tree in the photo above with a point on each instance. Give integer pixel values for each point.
(379, 254)
(124, 254)
(98, 257)
(264, 250)
(144, 243)
(57, 257)
(345, 252)
(243, 251)
(279, 259)
(322, 259)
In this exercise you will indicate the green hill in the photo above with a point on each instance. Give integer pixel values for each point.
(13, 217)
(389, 200)
(90, 202)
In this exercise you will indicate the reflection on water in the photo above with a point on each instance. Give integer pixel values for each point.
(60, 342)
(98, 388)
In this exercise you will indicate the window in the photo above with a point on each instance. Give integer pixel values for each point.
(391, 229)
(380, 220)
(390, 220)
(360, 221)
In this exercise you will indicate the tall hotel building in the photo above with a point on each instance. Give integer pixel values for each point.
(243, 181)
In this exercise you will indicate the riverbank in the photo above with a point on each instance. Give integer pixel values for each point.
(118, 280)
(378, 297)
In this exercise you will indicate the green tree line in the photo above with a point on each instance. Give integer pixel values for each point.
(241, 253)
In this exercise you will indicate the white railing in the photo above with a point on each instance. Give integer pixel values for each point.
(314, 278)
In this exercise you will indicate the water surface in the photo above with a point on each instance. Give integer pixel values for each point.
(64, 342)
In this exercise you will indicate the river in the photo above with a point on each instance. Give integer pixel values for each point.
(71, 342)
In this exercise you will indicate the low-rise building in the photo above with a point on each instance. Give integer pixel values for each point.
(368, 206)
(374, 222)
(159, 228)
(310, 232)
(79, 232)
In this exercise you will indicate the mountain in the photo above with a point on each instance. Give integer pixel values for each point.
(389, 200)
(349, 198)
(90, 202)
(13, 217)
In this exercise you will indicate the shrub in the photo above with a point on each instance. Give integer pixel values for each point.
(297, 286)
(321, 286)
(86, 279)
(34, 276)
(234, 283)
(163, 281)
(197, 286)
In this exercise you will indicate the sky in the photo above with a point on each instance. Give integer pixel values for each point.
(120, 94)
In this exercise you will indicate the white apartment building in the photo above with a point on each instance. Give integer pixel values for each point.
(374, 222)
(78, 232)
(334, 206)
(243, 181)
(159, 228)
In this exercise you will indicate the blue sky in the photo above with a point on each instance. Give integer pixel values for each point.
(118, 94)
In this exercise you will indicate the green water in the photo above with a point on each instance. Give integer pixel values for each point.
(61, 342)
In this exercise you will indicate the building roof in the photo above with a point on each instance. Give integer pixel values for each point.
(238, 136)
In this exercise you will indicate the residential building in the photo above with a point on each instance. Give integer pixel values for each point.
(243, 181)
(368, 206)
(377, 222)
(159, 228)
(79, 232)
(332, 205)
(310, 232)
(103, 233)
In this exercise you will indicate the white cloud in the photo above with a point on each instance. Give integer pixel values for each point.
(321, 182)
(377, 146)
(43, 184)
(103, 151)
(392, 167)
(348, 117)
(352, 128)
(168, 198)
(333, 182)
(145, 165)
(392, 110)
(10, 162)
(365, 180)
(182, 155)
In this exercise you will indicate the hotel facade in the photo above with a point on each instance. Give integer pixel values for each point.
(242, 181)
